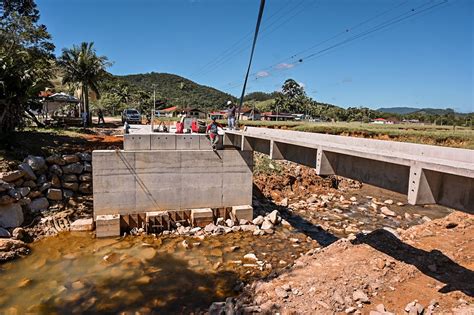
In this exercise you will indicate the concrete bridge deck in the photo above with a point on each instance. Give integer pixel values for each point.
(427, 174)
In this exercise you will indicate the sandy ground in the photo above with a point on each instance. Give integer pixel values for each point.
(432, 263)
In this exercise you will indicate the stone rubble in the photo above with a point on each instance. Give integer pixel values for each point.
(40, 185)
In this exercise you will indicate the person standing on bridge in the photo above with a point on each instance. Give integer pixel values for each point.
(212, 130)
(231, 109)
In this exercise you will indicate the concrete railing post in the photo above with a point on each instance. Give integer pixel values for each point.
(275, 152)
(323, 164)
(246, 145)
(424, 186)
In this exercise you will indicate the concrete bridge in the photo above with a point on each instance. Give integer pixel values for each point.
(427, 174)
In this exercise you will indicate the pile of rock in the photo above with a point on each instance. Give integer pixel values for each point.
(39, 183)
(258, 226)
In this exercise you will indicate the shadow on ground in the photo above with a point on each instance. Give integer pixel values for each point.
(299, 223)
(164, 285)
(433, 264)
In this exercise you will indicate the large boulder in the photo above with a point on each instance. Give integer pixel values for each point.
(39, 204)
(86, 177)
(84, 156)
(75, 168)
(56, 170)
(14, 193)
(44, 187)
(55, 194)
(24, 191)
(11, 215)
(11, 176)
(69, 178)
(4, 233)
(56, 159)
(71, 158)
(87, 167)
(4, 186)
(85, 188)
(41, 179)
(10, 249)
(29, 174)
(6, 200)
(67, 194)
(71, 186)
(37, 163)
(34, 194)
(55, 181)
(30, 183)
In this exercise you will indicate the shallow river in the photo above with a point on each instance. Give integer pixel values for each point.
(76, 273)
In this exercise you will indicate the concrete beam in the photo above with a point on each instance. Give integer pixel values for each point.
(428, 174)
(430, 187)
(255, 144)
(290, 152)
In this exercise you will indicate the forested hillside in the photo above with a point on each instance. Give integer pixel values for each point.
(178, 91)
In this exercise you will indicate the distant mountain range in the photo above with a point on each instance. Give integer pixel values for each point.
(412, 110)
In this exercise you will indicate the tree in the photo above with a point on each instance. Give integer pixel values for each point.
(292, 98)
(83, 69)
(26, 58)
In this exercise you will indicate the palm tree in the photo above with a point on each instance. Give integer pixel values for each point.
(83, 69)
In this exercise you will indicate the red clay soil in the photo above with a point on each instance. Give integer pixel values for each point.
(432, 263)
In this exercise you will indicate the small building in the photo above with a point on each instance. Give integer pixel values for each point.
(250, 114)
(273, 116)
(218, 114)
(168, 112)
(383, 121)
(192, 113)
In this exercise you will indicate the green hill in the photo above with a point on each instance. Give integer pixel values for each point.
(412, 110)
(178, 91)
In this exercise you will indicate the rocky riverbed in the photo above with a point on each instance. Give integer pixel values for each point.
(299, 218)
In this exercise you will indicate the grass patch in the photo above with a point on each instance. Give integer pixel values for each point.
(263, 165)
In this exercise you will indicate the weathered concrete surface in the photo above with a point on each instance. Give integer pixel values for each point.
(168, 141)
(244, 212)
(107, 225)
(427, 174)
(127, 182)
(202, 217)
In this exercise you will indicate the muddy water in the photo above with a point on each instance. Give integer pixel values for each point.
(76, 273)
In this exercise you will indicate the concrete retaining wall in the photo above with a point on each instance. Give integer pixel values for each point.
(127, 182)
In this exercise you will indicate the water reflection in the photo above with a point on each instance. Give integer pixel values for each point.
(75, 273)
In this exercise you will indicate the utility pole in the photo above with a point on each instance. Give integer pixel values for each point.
(153, 108)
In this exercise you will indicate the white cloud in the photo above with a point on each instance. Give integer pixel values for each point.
(302, 84)
(262, 74)
(285, 66)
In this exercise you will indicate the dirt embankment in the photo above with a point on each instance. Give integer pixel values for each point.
(432, 263)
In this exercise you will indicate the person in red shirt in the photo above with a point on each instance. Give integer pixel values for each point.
(212, 130)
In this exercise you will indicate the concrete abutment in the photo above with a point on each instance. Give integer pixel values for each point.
(169, 173)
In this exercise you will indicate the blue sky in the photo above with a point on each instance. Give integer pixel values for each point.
(424, 61)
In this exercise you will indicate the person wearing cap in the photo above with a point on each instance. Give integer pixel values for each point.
(212, 130)
(231, 108)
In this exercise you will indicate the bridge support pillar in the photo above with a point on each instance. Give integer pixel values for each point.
(424, 186)
(275, 152)
(324, 165)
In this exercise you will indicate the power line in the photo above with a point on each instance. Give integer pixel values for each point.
(345, 31)
(376, 28)
(234, 45)
(238, 52)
